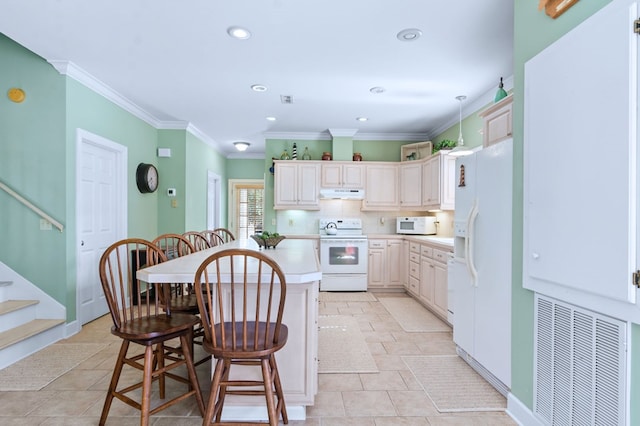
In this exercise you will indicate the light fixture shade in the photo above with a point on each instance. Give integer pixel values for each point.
(501, 93)
(241, 146)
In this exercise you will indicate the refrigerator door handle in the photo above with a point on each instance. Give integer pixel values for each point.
(473, 214)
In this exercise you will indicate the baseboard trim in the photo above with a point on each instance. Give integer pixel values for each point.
(520, 413)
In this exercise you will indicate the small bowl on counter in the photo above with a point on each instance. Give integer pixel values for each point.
(269, 241)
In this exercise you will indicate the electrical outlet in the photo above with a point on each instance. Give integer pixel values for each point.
(273, 222)
(174, 203)
(45, 225)
(290, 222)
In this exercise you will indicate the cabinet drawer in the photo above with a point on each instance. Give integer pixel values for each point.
(377, 243)
(414, 269)
(440, 255)
(414, 285)
(414, 257)
(414, 247)
(426, 251)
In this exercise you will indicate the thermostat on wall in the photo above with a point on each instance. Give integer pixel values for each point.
(171, 192)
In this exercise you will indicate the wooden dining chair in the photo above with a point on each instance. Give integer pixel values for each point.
(197, 240)
(241, 294)
(226, 235)
(180, 297)
(214, 238)
(138, 319)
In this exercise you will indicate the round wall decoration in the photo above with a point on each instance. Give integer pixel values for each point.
(147, 178)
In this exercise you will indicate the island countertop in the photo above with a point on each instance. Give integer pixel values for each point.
(297, 259)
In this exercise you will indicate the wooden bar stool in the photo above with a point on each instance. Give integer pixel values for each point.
(227, 236)
(138, 319)
(213, 237)
(241, 295)
(197, 240)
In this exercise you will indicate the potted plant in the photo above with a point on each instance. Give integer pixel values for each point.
(444, 144)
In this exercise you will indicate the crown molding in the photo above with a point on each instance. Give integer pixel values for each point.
(343, 133)
(418, 137)
(70, 69)
(305, 136)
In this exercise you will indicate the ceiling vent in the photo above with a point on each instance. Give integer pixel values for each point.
(286, 99)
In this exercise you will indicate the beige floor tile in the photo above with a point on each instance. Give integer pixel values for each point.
(350, 310)
(384, 380)
(471, 420)
(78, 380)
(368, 403)
(23, 421)
(346, 421)
(389, 362)
(376, 348)
(401, 348)
(339, 382)
(68, 403)
(412, 403)
(401, 421)
(376, 336)
(22, 403)
(410, 380)
(327, 404)
(437, 348)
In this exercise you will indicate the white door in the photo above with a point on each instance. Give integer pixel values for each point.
(101, 215)
(580, 151)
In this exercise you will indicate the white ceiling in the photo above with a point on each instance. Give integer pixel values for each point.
(174, 60)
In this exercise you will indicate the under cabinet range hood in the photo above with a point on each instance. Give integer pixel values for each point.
(342, 193)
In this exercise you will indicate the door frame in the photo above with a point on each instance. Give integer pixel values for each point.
(214, 200)
(85, 137)
(231, 218)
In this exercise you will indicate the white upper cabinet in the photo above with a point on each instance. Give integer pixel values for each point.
(438, 182)
(342, 175)
(497, 122)
(296, 185)
(381, 192)
(410, 185)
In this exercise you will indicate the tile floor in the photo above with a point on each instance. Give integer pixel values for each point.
(390, 397)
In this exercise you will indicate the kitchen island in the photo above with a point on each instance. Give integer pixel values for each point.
(297, 361)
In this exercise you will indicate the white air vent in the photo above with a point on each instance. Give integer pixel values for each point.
(286, 99)
(580, 366)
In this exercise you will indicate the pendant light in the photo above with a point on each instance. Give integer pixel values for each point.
(460, 149)
(501, 93)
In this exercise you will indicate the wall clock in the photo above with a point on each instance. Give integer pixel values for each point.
(147, 178)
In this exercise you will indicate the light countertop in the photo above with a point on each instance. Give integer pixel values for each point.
(296, 257)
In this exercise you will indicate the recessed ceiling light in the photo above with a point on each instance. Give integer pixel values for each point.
(377, 89)
(409, 34)
(239, 33)
(271, 118)
(362, 119)
(259, 88)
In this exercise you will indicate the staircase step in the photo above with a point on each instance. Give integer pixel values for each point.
(23, 332)
(14, 305)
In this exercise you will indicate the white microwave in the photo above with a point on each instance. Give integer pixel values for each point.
(417, 225)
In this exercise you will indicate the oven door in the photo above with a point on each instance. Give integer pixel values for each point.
(343, 255)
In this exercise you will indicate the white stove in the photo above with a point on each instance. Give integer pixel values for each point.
(343, 254)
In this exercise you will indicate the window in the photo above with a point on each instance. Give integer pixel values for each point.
(249, 209)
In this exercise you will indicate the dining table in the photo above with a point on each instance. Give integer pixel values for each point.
(298, 360)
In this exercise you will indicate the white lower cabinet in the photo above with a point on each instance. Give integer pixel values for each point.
(427, 276)
(385, 260)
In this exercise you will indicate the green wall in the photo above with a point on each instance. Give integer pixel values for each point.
(200, 159)
(534, 31)
(33, 162)
(38, 160)
(246, 169)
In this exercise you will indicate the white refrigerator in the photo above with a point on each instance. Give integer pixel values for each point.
(480, 271)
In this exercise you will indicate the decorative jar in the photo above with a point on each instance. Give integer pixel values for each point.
(326, 155)
(357, 156)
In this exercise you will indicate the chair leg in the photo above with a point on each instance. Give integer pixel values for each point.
(215, 385)
(193, 377)
(281, 408)
(115, 377)
(268, 392)
(223, 389)
(145, 406)
(159, 357)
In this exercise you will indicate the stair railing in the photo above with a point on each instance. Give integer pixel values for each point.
(27, 203)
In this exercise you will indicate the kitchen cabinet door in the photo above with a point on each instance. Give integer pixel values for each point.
(296, 185)
(496, 126)
(394, 264)
(410, 185)
(427, 279)
(439, 182)
(337, 175)
(376, 267)
(381, 187)
(440, 289)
